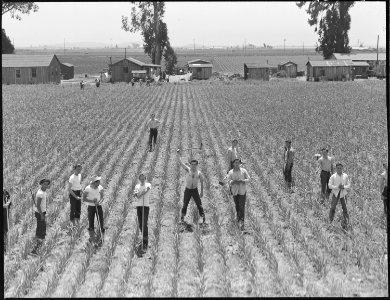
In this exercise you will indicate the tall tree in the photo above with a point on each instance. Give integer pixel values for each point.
(16, 9)
(147, 17)
(332, 19)
(170, 59)
(6, 45)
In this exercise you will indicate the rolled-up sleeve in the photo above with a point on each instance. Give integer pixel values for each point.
(331, 183)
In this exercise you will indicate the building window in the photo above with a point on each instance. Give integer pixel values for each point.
(17, 73)
(125, 69)
(34, 72)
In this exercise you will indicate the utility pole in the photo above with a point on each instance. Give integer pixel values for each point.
(194, 45)
(303, 47)
(64, 46)
(377, 50)
(284, 45)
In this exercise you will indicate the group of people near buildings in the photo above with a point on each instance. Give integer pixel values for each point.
(334, 185)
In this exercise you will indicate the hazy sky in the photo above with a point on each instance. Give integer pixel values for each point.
(208, 23)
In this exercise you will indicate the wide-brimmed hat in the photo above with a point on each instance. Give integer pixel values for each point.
(95, 178)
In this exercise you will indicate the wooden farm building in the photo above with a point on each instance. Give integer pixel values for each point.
(289, 67)
(331, 70)
(67, 71)
(30, 69)
(200, 69)
(257, 71)
(123, 70)
(374, 69)
(360, 69)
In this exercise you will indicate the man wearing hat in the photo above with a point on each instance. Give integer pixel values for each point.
(237, 178)
(152, 124)
(232, 154)
(93, 196)
(339, 183)
(6, 207)
(288, 159)
(40, 214)
(74, 189)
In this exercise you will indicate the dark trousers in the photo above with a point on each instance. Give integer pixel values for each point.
(194, 193)
(139, 215)
(325, 176)
(40, 232)
(75, 206)
(91, 217)
(333, 208)
(385, 199)
(5, 220)
(239, 201)
(287, 174)
(152, 135)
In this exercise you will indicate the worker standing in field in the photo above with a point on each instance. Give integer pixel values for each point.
(40, 214)
(82, 84)
(74, 189)
(232, 154)
(132, 81)
(237, 178)
(142, 193)
(192, 179)
(339, 183)
(383, 182)
(6, 220)
(93, 196)
(325, 163)
(152, 124)
(288, 159)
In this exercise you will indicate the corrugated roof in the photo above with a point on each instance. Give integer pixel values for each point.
(196, 60)
(257, 66)
(360, 64)
(20, 61)
(200, 65)
(137, 62)
(360, 56)
(67, 64)
(138, 71)
(330, 63)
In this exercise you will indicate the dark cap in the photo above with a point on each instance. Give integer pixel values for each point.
(44, 180)
(339, 164)
(288, 141)
(195, 161)
(236, 159)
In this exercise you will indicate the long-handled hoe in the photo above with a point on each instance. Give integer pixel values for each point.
(100, 228)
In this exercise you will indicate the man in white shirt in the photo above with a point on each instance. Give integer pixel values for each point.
(74, 189)
(237, 178)
(325, 163)
(232, 154)
(142, 193)
(339, 184)
(93, 196)
(152, 124)
(40, 214)
(192, 178)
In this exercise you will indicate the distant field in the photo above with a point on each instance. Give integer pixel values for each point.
(92, 61)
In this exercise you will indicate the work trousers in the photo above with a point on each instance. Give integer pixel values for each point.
(287, 174)
(75, 206)
(325, 176)
(333, 208)
(239, 201)
(194, 193)
(152, 135)
(40, 232)
(139, 215)
(91, 217)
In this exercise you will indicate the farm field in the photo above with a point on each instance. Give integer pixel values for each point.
(290, 249)
(92, 61)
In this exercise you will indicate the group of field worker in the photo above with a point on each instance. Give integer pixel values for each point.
(335, 184)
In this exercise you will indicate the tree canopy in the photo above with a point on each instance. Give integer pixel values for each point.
(16, 9)
(147, 18)
(332, 21)
(6, 45)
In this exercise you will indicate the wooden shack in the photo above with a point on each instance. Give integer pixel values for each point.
(30, 69)
(376, 67)
(256, 71)
(122, 70)
(139, 74)
(360, 69)
(331, 70)
(67, 71)
(289, 67)
(200, 69)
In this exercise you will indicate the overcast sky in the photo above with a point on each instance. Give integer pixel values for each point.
(208, 23)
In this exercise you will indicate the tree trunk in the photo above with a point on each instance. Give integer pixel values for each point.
(157, 44)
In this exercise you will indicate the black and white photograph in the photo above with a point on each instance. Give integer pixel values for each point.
(195, 149)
